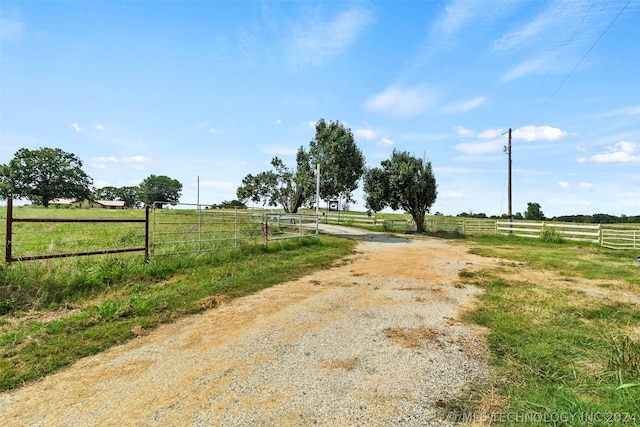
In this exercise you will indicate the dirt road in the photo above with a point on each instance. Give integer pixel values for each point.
(371, 341)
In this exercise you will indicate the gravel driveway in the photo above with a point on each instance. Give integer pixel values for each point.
(373, 341)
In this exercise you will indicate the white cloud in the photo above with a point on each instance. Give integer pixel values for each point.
(278, 121)
(75, 127)
(586, 185)
(564, 184)
(538, 133)
(109, 159)
(532, 66)
(402, 102)
(137, 162)
(553, 17)
(385, 142)
(463, 107)
(100, 127)
(480, 147)
(317, 42)
(212, 130)
(622, 152)
(367, 134)
(460, 130)
(490, 133)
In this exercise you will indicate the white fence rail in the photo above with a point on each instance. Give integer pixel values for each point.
(620, 239)
(580, 232)
(594, 233)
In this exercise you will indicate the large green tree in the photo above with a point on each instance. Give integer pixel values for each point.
(342, 163)
(159, 190)
(534, 212)
(44, 174)
(403, 181)
(283, 186)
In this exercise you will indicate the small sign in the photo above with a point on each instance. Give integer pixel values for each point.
(334, 205)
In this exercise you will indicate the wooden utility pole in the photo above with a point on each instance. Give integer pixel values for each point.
(509, 155)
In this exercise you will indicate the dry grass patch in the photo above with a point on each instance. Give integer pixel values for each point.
(212, 301)
(347, 364)
(410, 338)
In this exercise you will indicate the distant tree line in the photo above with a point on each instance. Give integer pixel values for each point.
(46, 174)
(534, 213)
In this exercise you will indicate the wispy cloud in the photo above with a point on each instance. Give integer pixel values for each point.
(464, 106)
(11, 30)
(385, 142)
(628, 111)
(316, 42)
(76, 127)
(480, 147)
(401, 101)
(280, 150)
(100, 127)
(133, 162)
(453, 19)
(462, 131)
(556, 16)
(622, 152)
(536, 65)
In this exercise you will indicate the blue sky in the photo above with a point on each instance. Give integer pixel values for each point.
(214, 89)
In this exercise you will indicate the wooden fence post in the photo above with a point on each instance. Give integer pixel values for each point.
(7, 238)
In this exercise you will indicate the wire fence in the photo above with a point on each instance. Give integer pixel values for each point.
(176, 231)
(36, 233)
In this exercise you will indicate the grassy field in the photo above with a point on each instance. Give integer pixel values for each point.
(54, 311)
(563, 325)
(562, 320)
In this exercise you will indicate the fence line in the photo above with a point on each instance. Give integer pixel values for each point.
(578, 232)
(9, 235)
(177, 231)
(194, 229)
(620, 239)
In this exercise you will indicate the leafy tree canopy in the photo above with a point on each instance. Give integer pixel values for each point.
(342, 163)
(229, 204)
(534, 212)
(129, 195)
(404, 182)
(44, 174)
(282, 186)
(159, 190)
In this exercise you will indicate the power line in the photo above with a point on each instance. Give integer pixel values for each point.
(584, 56)
(584, 17)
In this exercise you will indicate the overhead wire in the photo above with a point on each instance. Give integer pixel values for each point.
(566, 45)
(583, 57)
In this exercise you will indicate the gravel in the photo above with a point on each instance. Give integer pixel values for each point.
(373, 341)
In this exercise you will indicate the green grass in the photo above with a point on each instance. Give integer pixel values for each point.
(557, 347)
(93, 303)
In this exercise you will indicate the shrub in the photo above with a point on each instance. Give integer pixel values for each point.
(551, 235)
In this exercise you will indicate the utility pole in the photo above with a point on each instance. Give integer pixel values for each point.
(510, 206)
(507, 149)
(317, 171)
